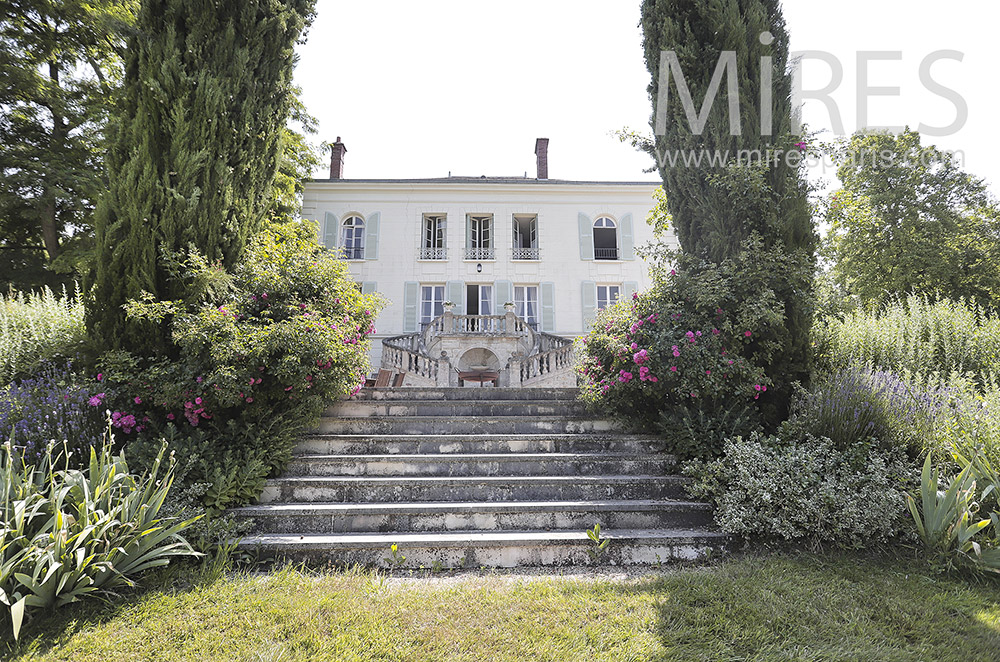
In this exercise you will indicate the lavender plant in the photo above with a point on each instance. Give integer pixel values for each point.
(54, 406)
(853, 406)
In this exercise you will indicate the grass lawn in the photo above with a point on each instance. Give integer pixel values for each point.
(798, 607)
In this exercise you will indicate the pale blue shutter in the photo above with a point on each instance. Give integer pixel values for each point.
(330, 228)
(629, 288)
(586, 237)
(411, 299)
(368, 287)
(548, 295)
(454, 291)
(503, 290)
(371, 236)
(589, 302)
(468, 235)
(627, 239)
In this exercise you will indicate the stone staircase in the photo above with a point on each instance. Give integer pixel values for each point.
(470, 477)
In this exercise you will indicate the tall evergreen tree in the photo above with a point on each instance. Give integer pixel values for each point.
(716, 206)
(208, 89)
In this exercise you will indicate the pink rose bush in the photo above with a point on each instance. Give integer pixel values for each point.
(640, 358)
(290, 335)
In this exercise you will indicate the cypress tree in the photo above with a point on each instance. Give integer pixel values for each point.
(208, 88)
(716, 207)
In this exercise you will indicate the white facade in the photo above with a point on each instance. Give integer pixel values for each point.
(401, 258)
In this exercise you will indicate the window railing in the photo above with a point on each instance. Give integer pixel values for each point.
(480, 254)
(605, 253)
(525, 254)
(353, 253)
(432, 254)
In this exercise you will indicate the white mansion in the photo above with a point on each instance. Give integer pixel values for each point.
(484, 275)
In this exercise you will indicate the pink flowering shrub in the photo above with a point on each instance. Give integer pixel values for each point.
(277, 340)
(699, 357)
(642, 358)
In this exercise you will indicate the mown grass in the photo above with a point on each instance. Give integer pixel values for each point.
(799, 607)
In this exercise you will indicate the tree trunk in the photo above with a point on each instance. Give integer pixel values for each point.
(47, 217)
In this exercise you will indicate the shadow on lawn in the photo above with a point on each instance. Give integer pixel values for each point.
(807, 606)
(43, 631)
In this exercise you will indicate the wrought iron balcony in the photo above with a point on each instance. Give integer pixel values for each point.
(605, 253)
(480, 254)
(432, 254)
(351, 253)
(524, 254)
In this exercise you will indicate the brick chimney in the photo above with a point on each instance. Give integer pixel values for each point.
(541, 157)
(337, 153)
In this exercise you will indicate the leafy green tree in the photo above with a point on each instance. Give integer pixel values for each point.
(909, 219)
(59, 64)
(748, 189)
(208, 90)
(298, 160)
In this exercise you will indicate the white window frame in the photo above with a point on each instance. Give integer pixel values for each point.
(431, 302)
(352, 237)
(526, 303)
(604, 294)
(479, 237)
(434, 237)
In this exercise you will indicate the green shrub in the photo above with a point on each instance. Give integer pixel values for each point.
(806, 491)
(36, 328)
(914, 336)
(67, 533)
(704, 340)
(259, 354)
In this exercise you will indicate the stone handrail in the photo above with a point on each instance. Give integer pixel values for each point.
(450, 324)
(544, 363)
(547, 342)
(403, 353)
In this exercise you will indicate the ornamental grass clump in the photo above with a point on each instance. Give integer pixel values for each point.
(36, 327)
(67, 534)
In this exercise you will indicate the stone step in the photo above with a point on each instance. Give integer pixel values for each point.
(475, 464)
(489, 549)
(468, 393)
(488, 516)
(490, 408)
(474, 443)
(363, 489)
(452, 425)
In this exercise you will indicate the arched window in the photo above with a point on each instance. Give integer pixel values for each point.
(605, 238)
(352, 238)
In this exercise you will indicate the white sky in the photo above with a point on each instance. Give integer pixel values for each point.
(418, 89)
